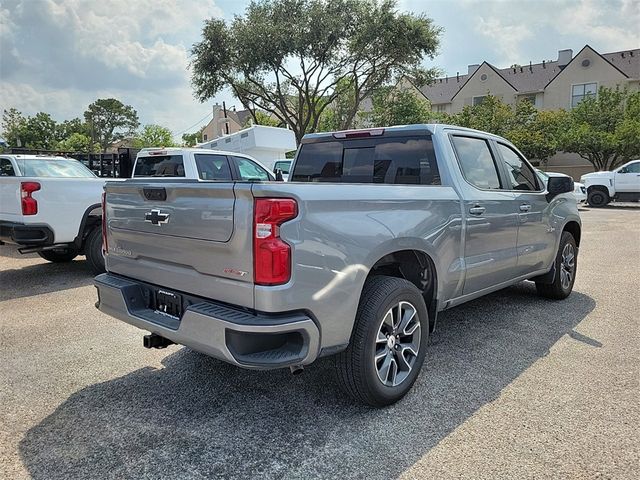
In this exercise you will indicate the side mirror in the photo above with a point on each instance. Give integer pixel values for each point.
(623, 170)
(279, 177)
(558, 185)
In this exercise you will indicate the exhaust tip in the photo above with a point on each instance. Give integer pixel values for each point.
(296, 369)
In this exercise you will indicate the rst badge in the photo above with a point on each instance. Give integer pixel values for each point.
(156, 217)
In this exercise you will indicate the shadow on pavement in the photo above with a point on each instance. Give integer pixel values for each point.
(45, 277)
(198, 417)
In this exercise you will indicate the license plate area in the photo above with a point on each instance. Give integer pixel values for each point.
(168, 303)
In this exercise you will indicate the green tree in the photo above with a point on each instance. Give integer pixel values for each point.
(13, 127)
(77, 142)
(262, 118)
(492, 115)
(65, 129)
(291, 58)
(392, 106)
(153, 136)
(190, 139)
(40, 132)
(536, 133)
(110, 120)
(605, 130)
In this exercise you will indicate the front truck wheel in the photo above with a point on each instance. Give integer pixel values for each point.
(388, 342)
(598, 198)
(93, 251)
(566, 266)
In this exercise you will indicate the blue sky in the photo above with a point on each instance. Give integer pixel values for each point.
(60, 55)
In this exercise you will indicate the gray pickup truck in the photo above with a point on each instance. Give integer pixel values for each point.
(376, 231)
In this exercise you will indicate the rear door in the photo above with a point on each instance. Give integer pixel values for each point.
(536, 240)
(492, 225)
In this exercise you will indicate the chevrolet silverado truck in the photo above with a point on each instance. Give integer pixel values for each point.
(620, 185)
(376, 232)
(51, 206)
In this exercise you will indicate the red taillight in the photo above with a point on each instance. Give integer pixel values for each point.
(105, 245)
(271, 255)
(29, 204)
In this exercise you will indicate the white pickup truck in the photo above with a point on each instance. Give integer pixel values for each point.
(51, 206)
(199, 164)
(622, 184)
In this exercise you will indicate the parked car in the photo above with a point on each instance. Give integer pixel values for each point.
(284, 166)
(579, 191)
(199, 164)
(376, 232)
(51, 206)
(620, 185)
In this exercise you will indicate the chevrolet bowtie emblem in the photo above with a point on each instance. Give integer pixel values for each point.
(156, 217)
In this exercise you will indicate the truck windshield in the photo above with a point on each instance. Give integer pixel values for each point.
(159, 166)
(54, 167)
(395, 160)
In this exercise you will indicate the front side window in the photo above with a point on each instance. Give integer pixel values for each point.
(582, 91)
(631, 168)
(213, 167)
(282, 166)
(250, 171)
(6, 169)
(476, 162)
(159, 166)
(520, 175)
(405, 160)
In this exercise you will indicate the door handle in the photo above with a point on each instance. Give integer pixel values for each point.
(477, 210)
(525, 207)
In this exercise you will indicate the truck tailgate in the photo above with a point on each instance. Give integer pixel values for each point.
(186, 235)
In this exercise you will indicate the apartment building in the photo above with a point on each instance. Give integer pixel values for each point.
(549, 85)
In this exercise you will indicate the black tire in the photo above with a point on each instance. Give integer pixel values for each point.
(598, 198)
(356, 367)
(560, 289)
(59, 255)
(93, 251)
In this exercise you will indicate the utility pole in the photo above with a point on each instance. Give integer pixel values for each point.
(226, 121)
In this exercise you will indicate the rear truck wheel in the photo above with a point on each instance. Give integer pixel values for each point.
(566, 265)
(93, 251)
(59, 255)
(598, 198)
(388, 342)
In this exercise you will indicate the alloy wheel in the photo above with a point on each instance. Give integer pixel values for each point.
(397, 344)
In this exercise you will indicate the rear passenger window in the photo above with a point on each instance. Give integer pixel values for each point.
(6, 169)
(213, 167)
(476, 162)
(520, 175)
(406, 160)
(159, 166)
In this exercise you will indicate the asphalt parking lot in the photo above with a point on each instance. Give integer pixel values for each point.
(514, 386)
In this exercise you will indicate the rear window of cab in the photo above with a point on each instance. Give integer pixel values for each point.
(394, 160)
(159, 166)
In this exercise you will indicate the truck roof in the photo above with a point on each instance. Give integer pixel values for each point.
(177, 150)
(35, 157)
(395, 130)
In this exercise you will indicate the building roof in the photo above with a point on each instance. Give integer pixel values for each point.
(528, 78)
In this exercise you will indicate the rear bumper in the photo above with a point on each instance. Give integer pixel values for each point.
(257, 341)
(25, 235)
